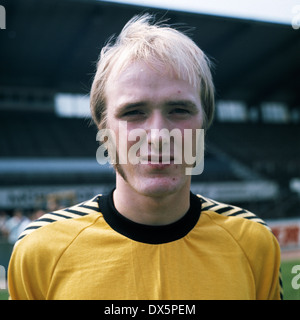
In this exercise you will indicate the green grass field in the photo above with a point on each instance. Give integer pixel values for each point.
(3, 295)
(287, 276)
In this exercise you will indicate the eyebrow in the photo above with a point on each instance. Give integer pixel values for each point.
(183, 103)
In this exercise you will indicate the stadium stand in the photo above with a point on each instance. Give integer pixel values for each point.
(270, 149)
(43, 134)
(46, 54)
(48, 161)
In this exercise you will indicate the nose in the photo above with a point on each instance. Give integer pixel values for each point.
(157, 132)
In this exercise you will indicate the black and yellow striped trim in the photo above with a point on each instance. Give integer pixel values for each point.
(77, 211)
(229, 210)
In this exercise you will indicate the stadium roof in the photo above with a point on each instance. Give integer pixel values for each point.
(53, 45)
(279, 11)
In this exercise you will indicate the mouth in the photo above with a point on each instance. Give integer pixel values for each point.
(158, 160)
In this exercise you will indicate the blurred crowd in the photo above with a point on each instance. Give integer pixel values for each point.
(11, 226)
(13, 223)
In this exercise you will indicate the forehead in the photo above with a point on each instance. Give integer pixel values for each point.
(142, 80)
(182, 70)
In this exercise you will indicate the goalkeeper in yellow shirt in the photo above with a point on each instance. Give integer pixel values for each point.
(150, 237)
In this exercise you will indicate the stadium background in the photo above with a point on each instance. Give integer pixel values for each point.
(48, 144)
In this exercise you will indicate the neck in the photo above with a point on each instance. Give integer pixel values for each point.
(149, 210)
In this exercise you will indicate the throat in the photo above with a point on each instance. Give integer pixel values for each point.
(151, 210)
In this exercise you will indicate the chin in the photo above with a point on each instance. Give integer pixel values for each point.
(158, 187)
(154, 184)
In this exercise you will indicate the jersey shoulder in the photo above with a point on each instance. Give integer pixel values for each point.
(227, 210)
(257, 241)
(66, 216)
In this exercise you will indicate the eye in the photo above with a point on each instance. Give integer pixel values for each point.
(133, 113)
(180, 111)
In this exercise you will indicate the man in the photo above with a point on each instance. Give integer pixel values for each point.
(150, 237)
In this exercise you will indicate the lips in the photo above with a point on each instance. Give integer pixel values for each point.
(158, 159)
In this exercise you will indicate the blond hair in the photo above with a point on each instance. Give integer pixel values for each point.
(159, 45)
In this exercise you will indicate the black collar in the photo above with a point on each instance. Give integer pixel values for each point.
(145, 233)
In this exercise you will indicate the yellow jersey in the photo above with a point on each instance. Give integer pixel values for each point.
(90, 251)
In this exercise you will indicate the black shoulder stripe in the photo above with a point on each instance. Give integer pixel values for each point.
(46, 220)
(222, 210)
(33, 227)
(257, 219)
(76, 212)
(237, 213)
(21, 237)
